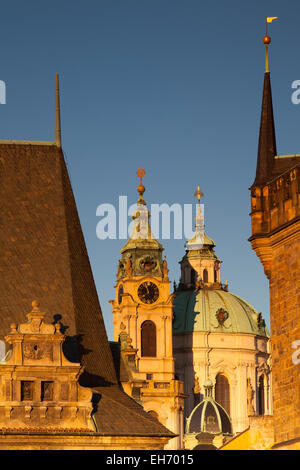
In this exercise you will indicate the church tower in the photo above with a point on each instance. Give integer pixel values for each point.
(275, 220)
(275, 238)
(143, 306)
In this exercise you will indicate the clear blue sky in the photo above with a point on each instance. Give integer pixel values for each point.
(173, 86)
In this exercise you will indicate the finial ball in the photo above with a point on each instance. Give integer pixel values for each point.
(35, 304)
(266, 39)
(141, 189)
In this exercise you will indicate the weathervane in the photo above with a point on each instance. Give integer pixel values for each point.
(267, 39)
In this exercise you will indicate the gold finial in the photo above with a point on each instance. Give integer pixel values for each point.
(141, 189)
(198, 194)
(267, 40)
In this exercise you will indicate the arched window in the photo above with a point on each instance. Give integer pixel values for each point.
(261, 396)
(215, 275)
(148, 339)
(205, 275)
(222, 392)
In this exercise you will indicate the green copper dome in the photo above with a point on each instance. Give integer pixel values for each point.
(215, 310)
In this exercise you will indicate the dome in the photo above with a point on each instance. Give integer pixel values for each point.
(215, 310)
(208, 416)
(198, 241)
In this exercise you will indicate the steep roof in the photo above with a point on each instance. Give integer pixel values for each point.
(269, 164)
(43, 256)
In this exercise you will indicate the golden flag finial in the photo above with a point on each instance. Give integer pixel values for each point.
(267, 40)
(271, 18)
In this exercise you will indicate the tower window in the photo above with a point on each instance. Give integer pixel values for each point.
(148, 339)
(205, 275)
(222, 392)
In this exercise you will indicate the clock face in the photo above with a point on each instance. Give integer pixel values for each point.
(148, 292)
(120, 293)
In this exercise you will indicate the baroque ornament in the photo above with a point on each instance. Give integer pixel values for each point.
(222, 316)
(148, 264)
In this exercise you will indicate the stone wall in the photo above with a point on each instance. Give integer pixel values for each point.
(285, 329)
(276, 240)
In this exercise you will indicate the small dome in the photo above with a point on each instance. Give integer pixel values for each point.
(198, 241)
(215, 310)
(208, 416)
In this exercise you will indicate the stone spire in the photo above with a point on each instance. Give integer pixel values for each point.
(142, 252)
(197, 241)
(267, 139)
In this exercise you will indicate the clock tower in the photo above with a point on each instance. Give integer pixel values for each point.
(143, 306)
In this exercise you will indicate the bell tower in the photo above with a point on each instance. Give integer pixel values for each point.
(143, 305)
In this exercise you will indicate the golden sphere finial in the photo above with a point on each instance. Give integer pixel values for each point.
(141, 189)
(266, 39)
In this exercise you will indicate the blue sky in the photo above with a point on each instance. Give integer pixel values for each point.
(169, 85)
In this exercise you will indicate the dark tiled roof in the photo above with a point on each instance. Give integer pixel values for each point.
(269, 165)
(43, 256)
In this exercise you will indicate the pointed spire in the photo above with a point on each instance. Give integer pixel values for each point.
(57, 113)
(197, 241)
(199, 217)
(267, 139)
